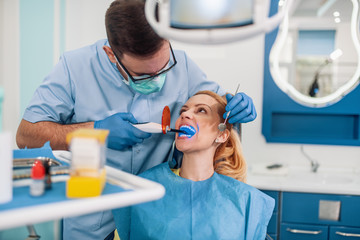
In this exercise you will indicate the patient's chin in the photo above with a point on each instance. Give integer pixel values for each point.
(183, 146)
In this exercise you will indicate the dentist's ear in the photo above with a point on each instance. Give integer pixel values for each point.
(223, 136)
(109, 52)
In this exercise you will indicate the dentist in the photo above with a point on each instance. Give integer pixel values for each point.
(127, 78)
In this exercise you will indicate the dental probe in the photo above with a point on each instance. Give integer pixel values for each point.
(222, 126)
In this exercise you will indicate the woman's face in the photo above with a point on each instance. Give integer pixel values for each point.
(199, 115)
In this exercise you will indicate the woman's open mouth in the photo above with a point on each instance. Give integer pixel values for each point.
(189, 131)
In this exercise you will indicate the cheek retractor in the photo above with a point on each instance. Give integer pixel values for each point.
(222, 126)
(187, 131)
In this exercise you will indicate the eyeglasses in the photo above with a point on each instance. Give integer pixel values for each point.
(148, 77)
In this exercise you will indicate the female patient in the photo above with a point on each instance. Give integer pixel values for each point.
(206, 198)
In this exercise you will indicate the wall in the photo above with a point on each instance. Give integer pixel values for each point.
(9, 63)
(85, 21)
(227, 64)
(1, 57)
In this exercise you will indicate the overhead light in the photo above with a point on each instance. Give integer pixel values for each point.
(337, 20)
(251, 20)
(336, 14)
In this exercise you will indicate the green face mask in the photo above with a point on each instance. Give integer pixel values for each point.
(145, 86)
(148, 86)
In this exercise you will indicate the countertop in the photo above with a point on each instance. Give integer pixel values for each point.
(328, 180)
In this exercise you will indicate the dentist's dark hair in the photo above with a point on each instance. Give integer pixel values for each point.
(228, 158)
(128, 30)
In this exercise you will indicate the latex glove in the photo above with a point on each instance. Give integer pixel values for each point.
(242, 108)
(122, 134)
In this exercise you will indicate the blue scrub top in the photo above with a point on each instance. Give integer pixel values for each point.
(86, 86)
(217, 208)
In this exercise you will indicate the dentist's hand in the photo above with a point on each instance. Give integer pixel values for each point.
(122, 134)
(242, 108)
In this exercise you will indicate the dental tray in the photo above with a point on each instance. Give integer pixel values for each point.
(29, 162)
(22, 167)
(122, 189)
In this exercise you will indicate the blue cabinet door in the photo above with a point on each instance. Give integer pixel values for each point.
(344, 233)
(273, 223)
(305, 207)
(272, 226)
(303, 232)
(271, 237)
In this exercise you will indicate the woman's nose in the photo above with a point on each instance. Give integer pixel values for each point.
(186, 114)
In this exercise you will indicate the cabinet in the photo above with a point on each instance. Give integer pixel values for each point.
(272, 229)
(344, 233)
(319, 216)
(312, 216)
(303, 232)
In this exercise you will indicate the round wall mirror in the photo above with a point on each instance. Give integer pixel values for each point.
(315, 58)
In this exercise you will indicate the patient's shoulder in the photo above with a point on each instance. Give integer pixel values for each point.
(154, 172)
(241, 188)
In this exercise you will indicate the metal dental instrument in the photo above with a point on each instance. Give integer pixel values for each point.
(26, 172)
(222, 126)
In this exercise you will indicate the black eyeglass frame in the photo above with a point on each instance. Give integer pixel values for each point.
(150, 77)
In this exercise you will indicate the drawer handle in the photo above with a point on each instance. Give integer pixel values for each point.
(303, 231)
(347, 234)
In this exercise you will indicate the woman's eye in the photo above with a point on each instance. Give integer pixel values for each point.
(181, 111)
(202, 110)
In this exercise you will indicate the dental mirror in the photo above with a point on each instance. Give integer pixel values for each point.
(222, 126)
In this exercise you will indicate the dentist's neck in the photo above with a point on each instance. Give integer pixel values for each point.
(197, 166)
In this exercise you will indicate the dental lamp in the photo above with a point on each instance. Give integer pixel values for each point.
(212, 21)
(314, 88)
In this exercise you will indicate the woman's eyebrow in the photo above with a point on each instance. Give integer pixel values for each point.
(203, 104)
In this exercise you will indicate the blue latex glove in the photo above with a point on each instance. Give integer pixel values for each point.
(242, 108)
(122, 134)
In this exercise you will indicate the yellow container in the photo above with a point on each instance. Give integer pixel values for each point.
(87, 175)
(81, 187)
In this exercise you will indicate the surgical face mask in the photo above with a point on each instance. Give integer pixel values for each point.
(148, 86)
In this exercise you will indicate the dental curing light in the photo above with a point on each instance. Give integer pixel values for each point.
(164, 127)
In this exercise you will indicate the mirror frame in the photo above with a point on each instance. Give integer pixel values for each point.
(291, 90)
(286, 121)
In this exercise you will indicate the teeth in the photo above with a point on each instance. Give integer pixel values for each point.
(189, 131)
